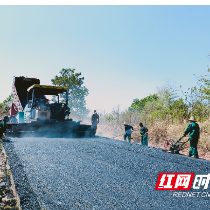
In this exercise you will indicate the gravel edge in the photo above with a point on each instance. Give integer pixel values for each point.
(8, 203)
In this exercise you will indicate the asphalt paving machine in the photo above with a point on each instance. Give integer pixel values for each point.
(174, 147)
(32, 114)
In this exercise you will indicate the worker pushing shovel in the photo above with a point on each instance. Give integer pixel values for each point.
(144, 134)
(128, 132)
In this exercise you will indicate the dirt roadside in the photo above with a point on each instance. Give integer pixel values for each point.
(9, 199)
(117, 132)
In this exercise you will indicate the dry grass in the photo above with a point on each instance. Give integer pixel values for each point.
(161, 131)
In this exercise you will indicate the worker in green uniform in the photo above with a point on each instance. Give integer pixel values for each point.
(2, 128)
(144, 134)
(194, 131)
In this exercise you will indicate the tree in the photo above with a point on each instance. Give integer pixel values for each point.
(4, 107)
(160, 106)
(204, 86)
(167, 96)
(179, 110)
(76, 94)
(197, 98)
(197, 103)
(140, 104)
(110, 118)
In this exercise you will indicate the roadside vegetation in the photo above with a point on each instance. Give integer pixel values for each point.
(4, 106)
(77, 91)
(166, 113)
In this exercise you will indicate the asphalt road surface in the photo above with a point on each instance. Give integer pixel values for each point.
(98, 173)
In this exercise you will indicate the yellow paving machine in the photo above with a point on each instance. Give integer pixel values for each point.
(32, 114)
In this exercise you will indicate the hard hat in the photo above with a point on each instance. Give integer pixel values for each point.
(124, 123)
(192, 118)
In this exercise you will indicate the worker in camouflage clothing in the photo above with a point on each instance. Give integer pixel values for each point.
(194, 131)
(144, 134)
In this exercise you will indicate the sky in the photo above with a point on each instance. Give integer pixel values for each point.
(124, 52)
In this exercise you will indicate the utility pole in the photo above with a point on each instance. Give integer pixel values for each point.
(118, 114)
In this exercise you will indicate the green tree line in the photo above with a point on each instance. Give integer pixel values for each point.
(167, 105)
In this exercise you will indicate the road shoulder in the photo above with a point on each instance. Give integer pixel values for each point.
(9, 198)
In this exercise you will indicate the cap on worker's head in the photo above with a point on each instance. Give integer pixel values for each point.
(192, 118)
(94, 110)
(124, 123)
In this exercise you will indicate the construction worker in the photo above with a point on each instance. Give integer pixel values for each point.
(62, 114)
(144, 134)
(128, 132)
(95, 121)
(2, 126)
(79, 121)
(194, 131)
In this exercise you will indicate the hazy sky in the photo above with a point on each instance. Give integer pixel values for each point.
(124, 52)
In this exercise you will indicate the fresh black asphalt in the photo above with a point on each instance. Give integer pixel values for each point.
(97, 173)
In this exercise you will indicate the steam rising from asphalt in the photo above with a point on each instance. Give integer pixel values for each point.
(52, 133)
